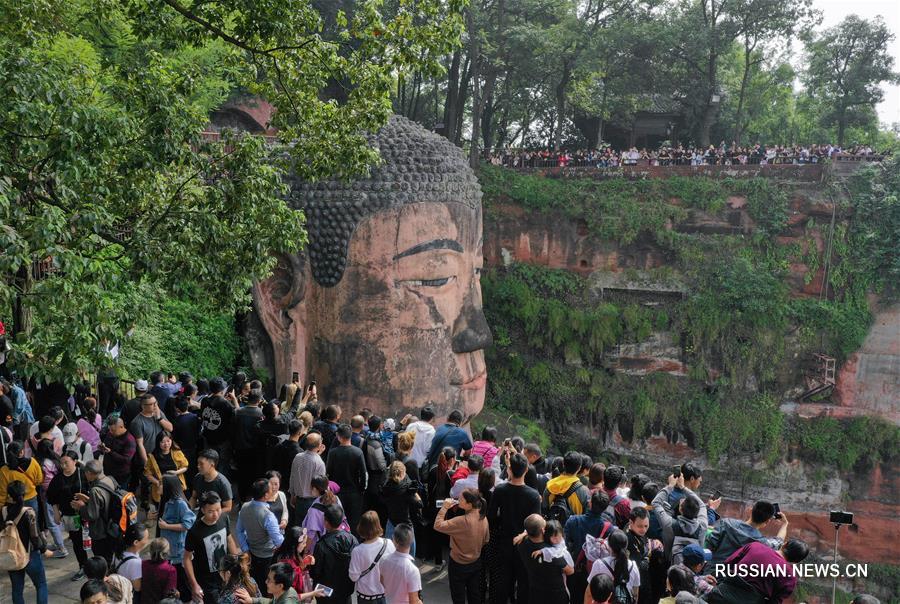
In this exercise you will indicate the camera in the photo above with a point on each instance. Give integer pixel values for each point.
(840, 517)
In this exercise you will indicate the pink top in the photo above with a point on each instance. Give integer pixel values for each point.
(90, 432)
(50, 470)
(486, 449)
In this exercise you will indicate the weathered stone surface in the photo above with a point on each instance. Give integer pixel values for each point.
(869, 382)
(384, 309)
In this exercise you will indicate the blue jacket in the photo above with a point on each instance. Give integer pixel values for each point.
(21, 407)
(177, 511)
(578, 527)
(677, 494)
(448, 435)
(731, 535)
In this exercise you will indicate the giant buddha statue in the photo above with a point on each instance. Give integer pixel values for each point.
(383, 309)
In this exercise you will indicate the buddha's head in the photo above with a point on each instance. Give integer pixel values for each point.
(384, 310)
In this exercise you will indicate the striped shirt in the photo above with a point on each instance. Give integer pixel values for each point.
(306, 466)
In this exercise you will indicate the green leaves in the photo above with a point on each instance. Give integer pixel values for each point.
(846, 65)
(110, 200)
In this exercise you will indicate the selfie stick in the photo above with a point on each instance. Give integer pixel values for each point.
(837, 528)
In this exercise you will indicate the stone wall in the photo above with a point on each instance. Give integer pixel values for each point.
(868, 383)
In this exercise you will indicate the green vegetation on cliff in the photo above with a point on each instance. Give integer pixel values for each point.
(734, 325)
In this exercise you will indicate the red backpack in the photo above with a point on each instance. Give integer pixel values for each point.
(582, 563)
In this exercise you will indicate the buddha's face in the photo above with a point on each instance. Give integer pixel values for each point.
(404, 326)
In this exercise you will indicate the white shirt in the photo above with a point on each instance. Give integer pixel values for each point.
(424, 434)
(599, 568)
(361, 558)
(400, 577)
(469, 482)
(130, 567)
(58, 441)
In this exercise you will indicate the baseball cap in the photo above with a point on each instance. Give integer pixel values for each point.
(141, 385)
(694, 554)
(70, 433)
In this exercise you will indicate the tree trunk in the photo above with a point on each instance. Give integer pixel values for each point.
(561, 104)
(842, 126)
(710, 109)
(462, 100)
(739, 115)
(487, 111)
(600, 120)
(450, 106)
(477, 99)
(22, 312)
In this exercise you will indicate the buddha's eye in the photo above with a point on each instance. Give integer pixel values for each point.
(430, 282)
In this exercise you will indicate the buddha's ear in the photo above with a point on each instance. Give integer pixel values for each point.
(279, 302)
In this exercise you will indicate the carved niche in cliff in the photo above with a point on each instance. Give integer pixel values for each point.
(384, 308)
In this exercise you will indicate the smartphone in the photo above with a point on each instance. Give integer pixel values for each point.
(777, 511)
(295, 376)
(440, 502)
(717, 494)
(326, 590)
(676, 471)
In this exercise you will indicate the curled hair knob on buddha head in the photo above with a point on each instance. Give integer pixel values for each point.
(417, 166)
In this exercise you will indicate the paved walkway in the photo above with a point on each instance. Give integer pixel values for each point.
(434, 583)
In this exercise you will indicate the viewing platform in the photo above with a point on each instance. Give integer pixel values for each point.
(840, 165)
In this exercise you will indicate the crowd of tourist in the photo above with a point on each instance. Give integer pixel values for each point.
(206, 492)
(666, 155)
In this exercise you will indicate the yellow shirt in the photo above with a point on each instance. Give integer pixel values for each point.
(152, 470)
(31, 477)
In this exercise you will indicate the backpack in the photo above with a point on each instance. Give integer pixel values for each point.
(591, 553)
(345, 526)
(80, 451)
(621, 593)
(13, 555)
(559, 509)
(123, 509)
(369, 450)
(610, 512)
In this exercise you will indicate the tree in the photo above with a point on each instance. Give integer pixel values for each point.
(846, 66)
(703, 32)
(109, 195)
(763, 24)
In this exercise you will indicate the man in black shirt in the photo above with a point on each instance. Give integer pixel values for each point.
(511, 503)
(332, 556)
(327, 426)
(547, 583)
(539, 468)
(246, 443)
(210, 479)
(216, 415)
(284, 453)
(204, 548)
(160, 390)
(186, 433)
(132, 408)
(347, 467)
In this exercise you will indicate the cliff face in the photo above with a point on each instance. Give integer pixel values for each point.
(868, 383)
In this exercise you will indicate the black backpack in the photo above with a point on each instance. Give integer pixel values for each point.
(621, 593)
(610, 512)
(559, 508)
